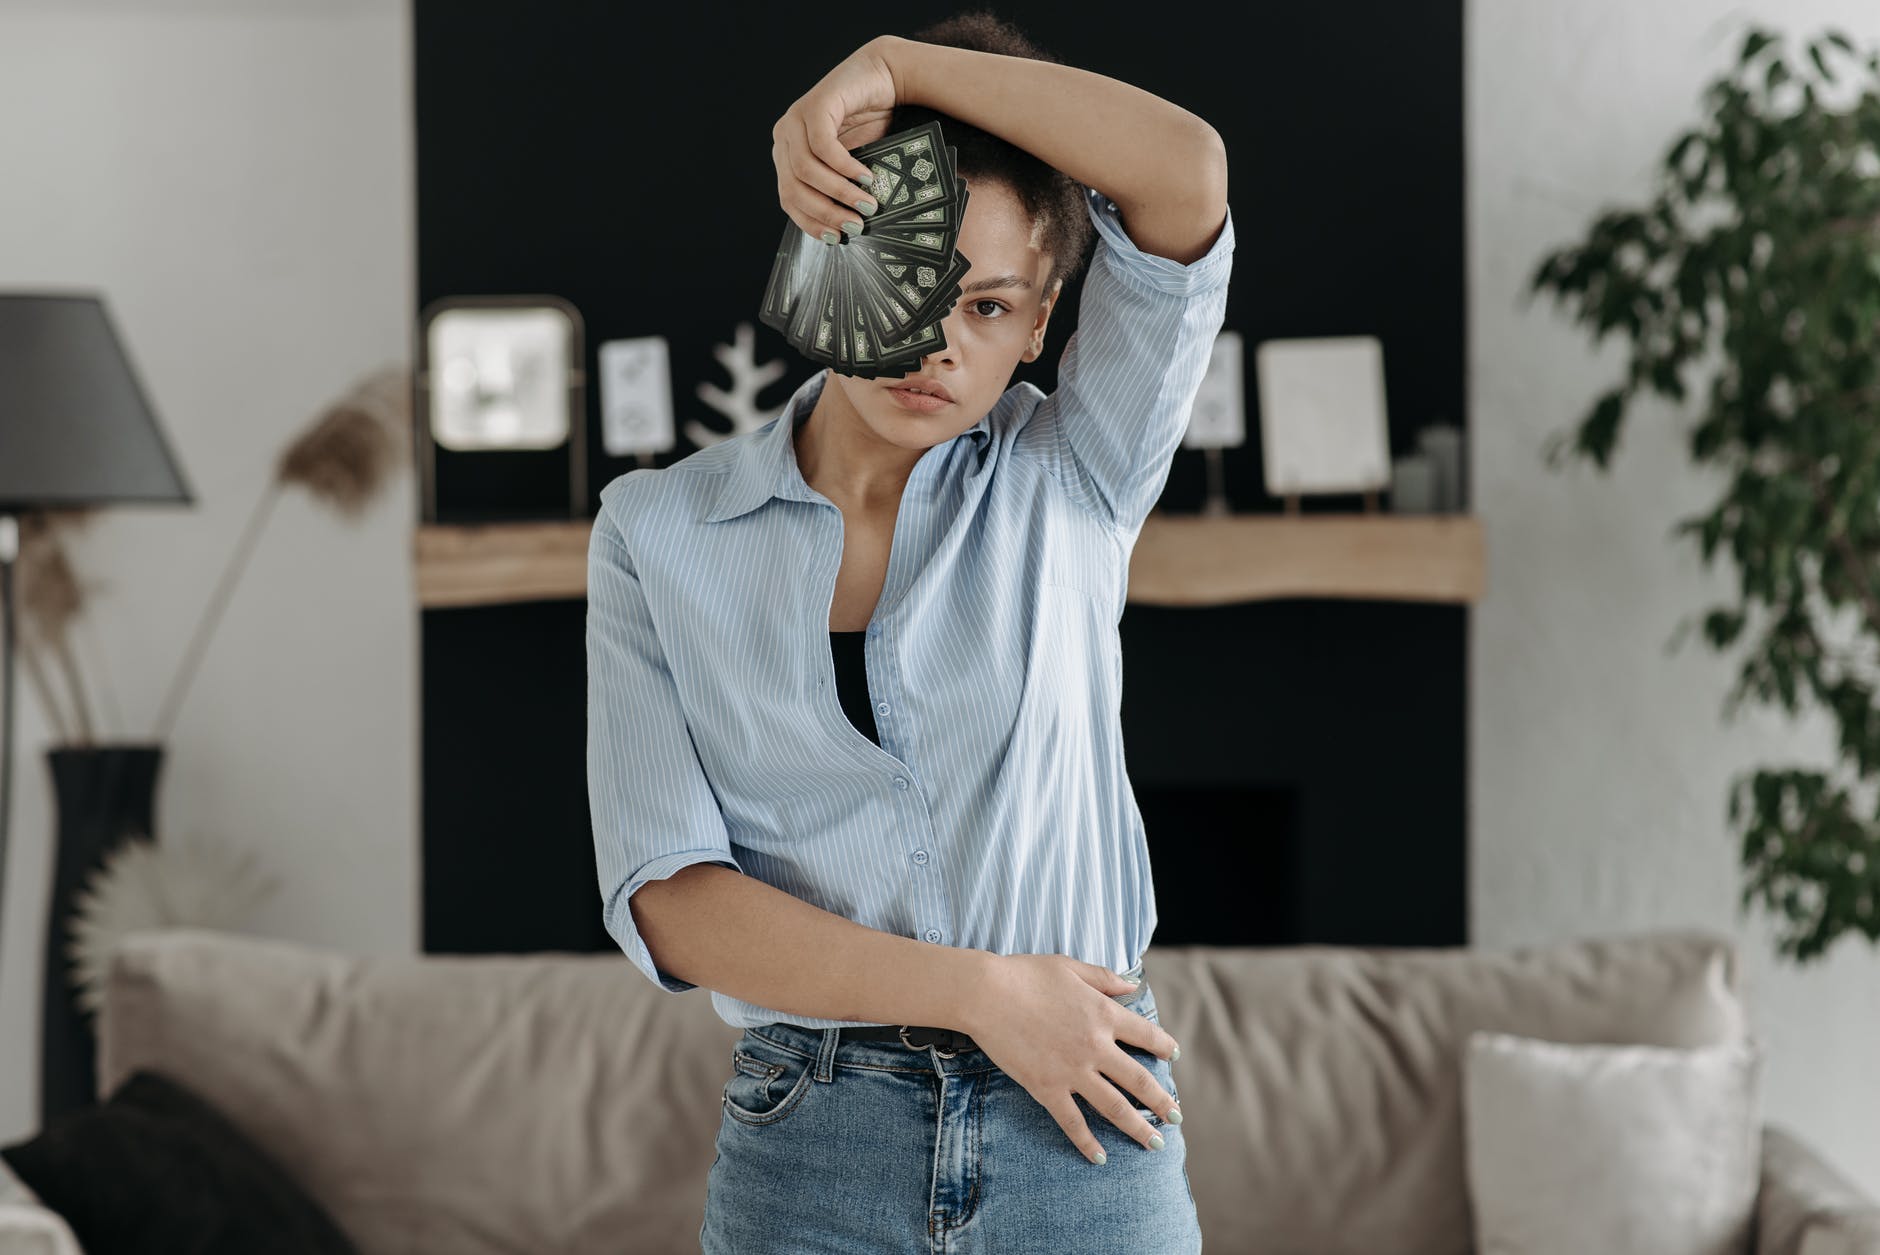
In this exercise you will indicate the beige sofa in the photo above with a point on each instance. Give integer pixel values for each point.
(561, 1103)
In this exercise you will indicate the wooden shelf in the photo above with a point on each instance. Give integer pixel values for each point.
(1179, 560)
(1192, 560)
(490, 564)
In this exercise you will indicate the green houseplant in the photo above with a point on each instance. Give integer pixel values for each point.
(1757, 265)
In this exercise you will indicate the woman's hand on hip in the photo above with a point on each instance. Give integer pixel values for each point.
(816, 177)
(1050, 1022)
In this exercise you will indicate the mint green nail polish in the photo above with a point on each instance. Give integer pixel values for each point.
(1174, 1115)
(866, 206)
(1102, 1159)
(1175, 1054)
(1155, 1141)
(830, 237)
(852, 227)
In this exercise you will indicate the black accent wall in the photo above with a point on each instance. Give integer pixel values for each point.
(1300, 764)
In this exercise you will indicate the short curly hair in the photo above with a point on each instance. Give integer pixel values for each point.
(1054, 200)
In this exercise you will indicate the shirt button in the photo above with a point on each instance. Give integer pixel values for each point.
(900, 782)
(882, 708)
(920, 856)
(933, 934)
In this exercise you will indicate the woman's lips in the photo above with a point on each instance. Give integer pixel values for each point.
(918, 402)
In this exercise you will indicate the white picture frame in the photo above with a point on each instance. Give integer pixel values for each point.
(1324, 427)
(636, 396)
(499, 376)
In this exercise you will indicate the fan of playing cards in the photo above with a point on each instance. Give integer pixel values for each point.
(871, 305)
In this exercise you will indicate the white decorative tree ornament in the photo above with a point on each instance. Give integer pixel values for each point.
(739, 402)
(141, 884)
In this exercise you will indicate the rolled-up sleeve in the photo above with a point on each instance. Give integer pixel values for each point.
(1127, 380)
(653, 810)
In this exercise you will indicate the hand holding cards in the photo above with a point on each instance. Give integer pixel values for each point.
(871, 305)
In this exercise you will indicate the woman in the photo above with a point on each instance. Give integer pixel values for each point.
(855, 759)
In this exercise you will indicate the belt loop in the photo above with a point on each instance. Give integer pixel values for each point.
(826, 1057)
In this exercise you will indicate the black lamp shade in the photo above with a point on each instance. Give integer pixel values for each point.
(75, 426)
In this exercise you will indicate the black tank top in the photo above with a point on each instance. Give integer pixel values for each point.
(852, 680)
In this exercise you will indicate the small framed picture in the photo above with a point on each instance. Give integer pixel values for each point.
(636, 397)
(1323, 426)
(501, 399)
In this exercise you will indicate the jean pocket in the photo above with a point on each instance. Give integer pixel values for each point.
(767, 1081)
(1164, 1075)
(1160, 1068)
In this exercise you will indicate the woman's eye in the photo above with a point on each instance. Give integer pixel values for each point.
(995, 305)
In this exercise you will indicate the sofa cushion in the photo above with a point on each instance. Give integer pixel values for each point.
(1624, 1150)
(1323, 1084)
(453, 1104)
(156, 1168)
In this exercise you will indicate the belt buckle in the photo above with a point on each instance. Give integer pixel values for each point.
(944, 1054)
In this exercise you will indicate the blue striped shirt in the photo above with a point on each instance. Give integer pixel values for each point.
(996, 812)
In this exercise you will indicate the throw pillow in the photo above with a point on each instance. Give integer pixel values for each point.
(156, 1168)
(1620, 1149)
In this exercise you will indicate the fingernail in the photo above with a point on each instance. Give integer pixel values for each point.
(852, 227)
(1133, 980)
(1155, 1141)
(1174, 1054)
(866, 206)
(1174, 1115)
(1102, 1158)
(830, 237)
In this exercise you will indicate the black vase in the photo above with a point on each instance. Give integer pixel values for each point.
(105, 795)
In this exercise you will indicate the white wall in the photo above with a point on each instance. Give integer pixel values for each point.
(236, 178)
(1599, 765)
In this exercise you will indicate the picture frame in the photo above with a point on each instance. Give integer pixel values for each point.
(501, 406)
(1324, 426)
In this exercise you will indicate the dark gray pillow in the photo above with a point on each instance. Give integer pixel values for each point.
(156, 1168)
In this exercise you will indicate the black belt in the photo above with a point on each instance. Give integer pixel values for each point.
(947, 1042)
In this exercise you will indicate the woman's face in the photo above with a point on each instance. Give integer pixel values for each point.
(998, 322)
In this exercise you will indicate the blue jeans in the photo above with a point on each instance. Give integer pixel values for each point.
(832, 1147)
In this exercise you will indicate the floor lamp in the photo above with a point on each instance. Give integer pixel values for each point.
(76, 430)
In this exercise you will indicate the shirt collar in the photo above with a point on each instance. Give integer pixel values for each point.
(766, 466)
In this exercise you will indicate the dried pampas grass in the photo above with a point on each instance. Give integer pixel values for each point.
(343, 457)
(350, 450)
(50, 600)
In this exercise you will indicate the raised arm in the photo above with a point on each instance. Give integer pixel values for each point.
(1165, 168)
